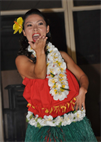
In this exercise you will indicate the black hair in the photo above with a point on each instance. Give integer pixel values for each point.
(34, 11)
(24, 41)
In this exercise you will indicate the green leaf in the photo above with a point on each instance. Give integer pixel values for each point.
(40, 117)
(27, 120)
(47, 52)
(38, 125)
(74, 111)
(65, 88)
(36, 119)
(59, 124)
(31, 116)
(52, 74)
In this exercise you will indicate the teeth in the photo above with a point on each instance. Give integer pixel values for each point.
(36, 35)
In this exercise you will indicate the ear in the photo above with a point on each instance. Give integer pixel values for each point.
(24, 33)
(47, 28)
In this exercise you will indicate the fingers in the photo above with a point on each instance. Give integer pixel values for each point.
(83, 105)
(40, 41)
(80, 100)
(31, 43)
(79, 105)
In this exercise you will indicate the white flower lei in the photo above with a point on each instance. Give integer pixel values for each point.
(56, 72)
(64, 120)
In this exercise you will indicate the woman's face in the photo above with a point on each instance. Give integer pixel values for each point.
(34, 27)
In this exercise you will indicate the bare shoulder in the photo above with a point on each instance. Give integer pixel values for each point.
(24, 65)
(74, 68)
(63, 53)
(66, 57)
(20, 58)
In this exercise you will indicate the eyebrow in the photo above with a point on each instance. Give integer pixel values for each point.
(32, 22)
(40, 20)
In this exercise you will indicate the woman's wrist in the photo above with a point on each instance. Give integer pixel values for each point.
(84, 83)
(83, 89)
(40, 52)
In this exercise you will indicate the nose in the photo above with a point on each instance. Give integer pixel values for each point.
(35, 27)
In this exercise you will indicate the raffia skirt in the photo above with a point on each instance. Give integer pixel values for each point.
(79, 131)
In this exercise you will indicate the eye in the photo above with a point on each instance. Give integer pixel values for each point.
(29, 25)
(41, 23)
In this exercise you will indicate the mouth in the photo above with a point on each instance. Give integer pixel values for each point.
(35, 36)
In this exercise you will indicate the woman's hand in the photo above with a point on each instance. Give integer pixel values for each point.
(39, 45)
(80, 99)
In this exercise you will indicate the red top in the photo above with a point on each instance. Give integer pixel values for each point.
(41, 102)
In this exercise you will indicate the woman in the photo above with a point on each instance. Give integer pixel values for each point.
(56, 103)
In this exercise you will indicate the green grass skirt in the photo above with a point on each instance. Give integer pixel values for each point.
(80, 131)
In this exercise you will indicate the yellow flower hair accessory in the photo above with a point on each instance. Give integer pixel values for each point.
(18, 25)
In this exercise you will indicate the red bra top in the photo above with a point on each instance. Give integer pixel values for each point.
(41, 102)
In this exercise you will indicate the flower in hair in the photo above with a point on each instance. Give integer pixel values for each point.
(18, 25)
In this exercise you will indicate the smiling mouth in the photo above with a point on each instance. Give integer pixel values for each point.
(35, 36)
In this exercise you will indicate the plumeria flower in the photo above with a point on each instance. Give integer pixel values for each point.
(53, 69)
(52, 81)
(56, 97)
(29, 115)
(57, 94)
(68, 118)
(53, 92)
(41, 122)
(59, 63)
(62, 77)
(58, 120)
(33, 122)
(64, 86)
(83, 113)
(78, 116)
(63, 66)
(31, 50)
(50, 123)
(56, 70)
(50, 69)
(36, 116)
(66, 121)
(18, 25)
(62, 96)
(50, 46)
(50, 56)
(58, 85)
(48, 120)
(55, 55)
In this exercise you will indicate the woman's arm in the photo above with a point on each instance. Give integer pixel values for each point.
(81, 77)
(27, 68)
